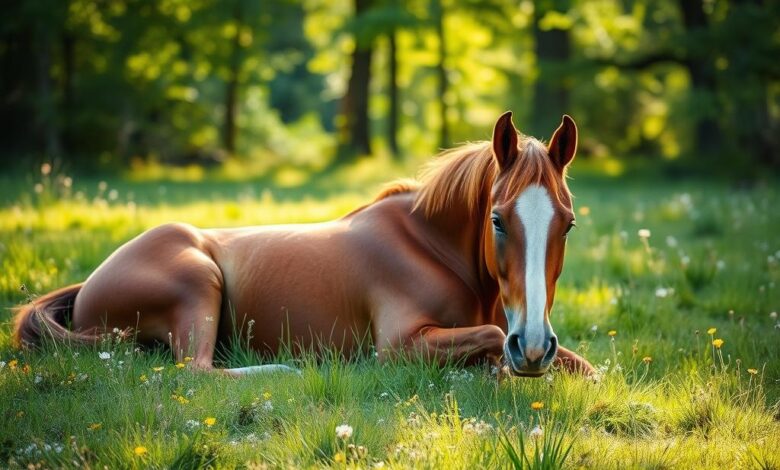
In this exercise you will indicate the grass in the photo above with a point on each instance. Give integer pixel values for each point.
(667, 397)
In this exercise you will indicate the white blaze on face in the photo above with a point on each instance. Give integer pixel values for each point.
(535, 209)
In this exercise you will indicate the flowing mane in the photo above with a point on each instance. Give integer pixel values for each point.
(464, 175)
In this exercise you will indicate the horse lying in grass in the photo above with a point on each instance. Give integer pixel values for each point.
(461, 266)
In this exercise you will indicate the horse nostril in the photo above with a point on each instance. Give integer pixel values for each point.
(513, 346)
(551, 351)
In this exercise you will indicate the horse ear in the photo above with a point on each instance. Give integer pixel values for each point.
(505, 141)
(563, 144)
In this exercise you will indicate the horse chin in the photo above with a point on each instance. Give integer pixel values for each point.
(529, 374)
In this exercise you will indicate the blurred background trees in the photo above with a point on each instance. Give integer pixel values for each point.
(116, 83)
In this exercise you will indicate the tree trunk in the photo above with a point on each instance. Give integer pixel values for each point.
(354, 136)
(551, 92)
(231, 90)
(392, 91)
(444, 132)
(703, 84)
(47, 111)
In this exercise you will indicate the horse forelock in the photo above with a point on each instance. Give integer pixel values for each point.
(464, 176)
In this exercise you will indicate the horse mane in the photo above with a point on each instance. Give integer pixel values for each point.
(465, 175)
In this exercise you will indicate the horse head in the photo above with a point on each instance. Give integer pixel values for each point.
(525, 231)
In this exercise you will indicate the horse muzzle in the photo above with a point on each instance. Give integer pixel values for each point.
(528, 361)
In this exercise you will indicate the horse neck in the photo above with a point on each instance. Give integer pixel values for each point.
(464, 235)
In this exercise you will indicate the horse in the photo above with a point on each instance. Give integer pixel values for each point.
(460, 265)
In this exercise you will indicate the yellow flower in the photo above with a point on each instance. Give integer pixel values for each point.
(95, 426)
(187, 359)
(647, 359)
(752, 371)
(179, 365)
(140, 450)
(26, 368)
(143, 378)
(712, 331)
(339, 457)
(612, 332)
(717, 343)
(158, 369)
(180, 399)
(19, 414)
(266, 395)
(584, 210)
(12, 364)
(210, 421)
(537, 405)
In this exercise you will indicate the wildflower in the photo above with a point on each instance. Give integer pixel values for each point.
(344, 431)
(612, 333)
(339, 457)
(46, 169)
(267, 395)
(140, 450)
(268, 406)
(179, 365)
(647, 359)
(717, 343)
(26, 368)
(105, 355)
(158, 369)
(536, 432)
(773, 315)
(94, 426)
(712, 331)
(644, 233)
(12, 364)
(187, 359)
(2, 364)
(537, 405)
(662, 292)
(584, 210)
(143, 378)
(752, 371)
(210, 421)
(192, 424)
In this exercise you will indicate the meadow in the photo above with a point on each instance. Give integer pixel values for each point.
(670, 288)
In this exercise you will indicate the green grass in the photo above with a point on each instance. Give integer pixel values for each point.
(712, 261)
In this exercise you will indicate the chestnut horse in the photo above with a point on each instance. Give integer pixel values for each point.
(461, 266)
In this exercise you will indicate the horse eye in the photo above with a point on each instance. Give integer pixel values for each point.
(497, 223)
(568, 229)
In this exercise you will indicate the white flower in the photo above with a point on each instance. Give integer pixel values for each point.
(105, 355)
(643, 233)
(38, 379)
(536, 432)
(772, 315)
(594, 328)
(344, 431)
(268, 406)
(662, 292)
(671, 242)
(192, 424)
(2, 364)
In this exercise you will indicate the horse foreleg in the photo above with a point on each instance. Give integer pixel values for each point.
(467, 344)
(573, 362)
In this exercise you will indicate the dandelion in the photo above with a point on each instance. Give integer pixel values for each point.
(187, 359)
(644, 233)
(647, 359)
(105, 355)
(339, 457)
(210, 421)
(594, 328)
(717, 343)
(266, 395)
(94, 426)
(344, 431)
(140, 450)
(143, 378)
(612, 333)
(158, 369)
(537, 405)
(180, 365)
(752, 371)
(712, 331)
(536, 432)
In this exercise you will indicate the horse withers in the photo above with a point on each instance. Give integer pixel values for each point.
(460, 266)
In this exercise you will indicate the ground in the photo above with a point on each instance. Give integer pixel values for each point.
(669, 287)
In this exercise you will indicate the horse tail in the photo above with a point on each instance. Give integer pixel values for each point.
(47, 316)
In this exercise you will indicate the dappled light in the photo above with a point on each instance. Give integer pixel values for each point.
(656, 347)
